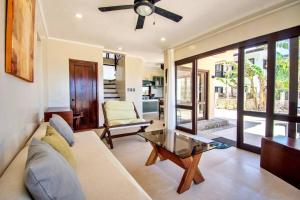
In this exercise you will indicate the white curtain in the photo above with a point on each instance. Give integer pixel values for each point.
(170, 90)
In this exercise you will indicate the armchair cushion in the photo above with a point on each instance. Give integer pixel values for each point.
(119, 110)
(124, 121)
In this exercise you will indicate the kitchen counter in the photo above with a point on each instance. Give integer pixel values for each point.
(150, 105)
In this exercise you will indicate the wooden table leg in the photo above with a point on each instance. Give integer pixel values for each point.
(154, 155)
(198, 178)
(190, 165)
(191, 173)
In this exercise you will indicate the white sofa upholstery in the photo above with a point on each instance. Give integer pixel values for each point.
(100, 173)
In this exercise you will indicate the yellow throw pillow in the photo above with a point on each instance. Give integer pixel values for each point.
(54, 139)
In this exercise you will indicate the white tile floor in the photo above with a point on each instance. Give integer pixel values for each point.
(230, 174)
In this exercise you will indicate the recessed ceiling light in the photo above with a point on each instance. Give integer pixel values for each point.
(163, 39)
(120, 48)
(78, 15)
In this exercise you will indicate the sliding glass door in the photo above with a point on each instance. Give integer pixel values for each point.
(185, 95)
(191, 96)
(254, 93)
(269, 91)
(262, 76)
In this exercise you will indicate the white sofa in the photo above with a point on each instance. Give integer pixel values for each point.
(100, 173)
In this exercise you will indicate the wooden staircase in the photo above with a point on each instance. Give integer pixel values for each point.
(110, 91)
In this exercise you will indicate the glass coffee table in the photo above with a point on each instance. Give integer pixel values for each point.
(182, 150)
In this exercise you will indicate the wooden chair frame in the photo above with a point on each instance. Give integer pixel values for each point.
(107, 129)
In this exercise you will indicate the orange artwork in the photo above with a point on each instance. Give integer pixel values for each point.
(20, 21)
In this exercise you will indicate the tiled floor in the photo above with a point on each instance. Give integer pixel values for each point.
(230, 174)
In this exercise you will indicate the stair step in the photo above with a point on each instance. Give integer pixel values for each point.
(115, 92)
(105, 80)
(108, 98)
(110, 90)
(111, 95)
(110, 86)
(105, 100)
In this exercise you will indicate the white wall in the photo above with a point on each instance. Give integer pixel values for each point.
(278, 20)
(58, 54)
(109, 72)
(134, 69)
(120, 78)
(21, 102)
(149, 72)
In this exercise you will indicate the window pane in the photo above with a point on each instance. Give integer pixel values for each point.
(282, 72)
(184, 84)
(201, 94)
(255, 88)
(299, 80)
(254, 130)
(298, 131)
(281, 128)
(184, 118)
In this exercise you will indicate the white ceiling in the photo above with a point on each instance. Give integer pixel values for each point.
(115, 29)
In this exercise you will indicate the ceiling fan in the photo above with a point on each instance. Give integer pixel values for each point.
(144, 8)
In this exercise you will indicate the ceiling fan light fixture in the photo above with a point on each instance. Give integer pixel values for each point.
(143, 7)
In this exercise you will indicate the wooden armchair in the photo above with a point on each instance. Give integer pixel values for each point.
(120, 115)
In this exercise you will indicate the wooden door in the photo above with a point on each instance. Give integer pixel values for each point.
(83, 93)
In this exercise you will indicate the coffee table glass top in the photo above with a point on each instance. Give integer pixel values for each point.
(179, 144)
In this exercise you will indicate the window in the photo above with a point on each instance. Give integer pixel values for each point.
(184, 85)
(254, 130)
(252, 60)
(268, 83)
(255, 86)
(281, 128)
(265, 63)
(184, 97)
(219, 90)
(219, 70)
(299, 80)
(184, 117)
(282, 74)
(298, 131)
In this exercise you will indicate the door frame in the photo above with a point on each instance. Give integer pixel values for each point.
(206, 88)
(72, 61)
(193, 107)
(270, 116)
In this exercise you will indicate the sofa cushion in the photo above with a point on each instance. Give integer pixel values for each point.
(49, 176)
(63, 128)
(103, 177)
(119, 110)
(39, 133)
(54, 139)
(12, 181)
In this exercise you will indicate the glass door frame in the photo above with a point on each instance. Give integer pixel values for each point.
(206, 94)
(193, 107)
(270, 39)
(270, 114)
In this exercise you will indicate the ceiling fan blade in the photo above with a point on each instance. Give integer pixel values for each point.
(140, 22)
(172, 16)
(114, 8)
